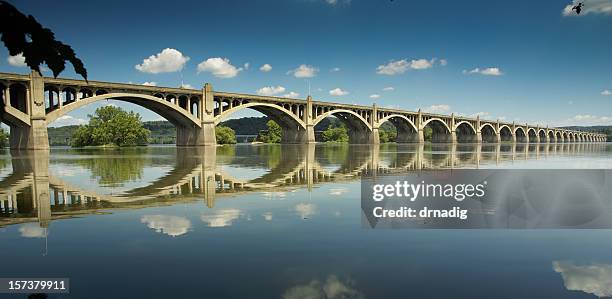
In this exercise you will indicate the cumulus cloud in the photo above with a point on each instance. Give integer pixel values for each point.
(17, 60)
(336, 69)
(591, 7)
(441, 108)
(167, 61)
(265, 68)
(67, 120)
(588, 120)
(186, 86)
(331, 288)
(149, 83)
(292, 94)
(221, 218)
(482, 114)
(304, 71)
(396, 67)
(270, 90)
(32, 230)
(246, 66)
(489, 71)
(165, 224)
(374, 96)
(268, 216)
(305, 210)
(388, 88)
(219, 67)
(338, 92)
(338, 191)
(443, 62)
(593, 279)
(606, 92)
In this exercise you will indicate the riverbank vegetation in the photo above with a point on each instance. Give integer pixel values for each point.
(225, 135)
(4, 138)
(111, 126)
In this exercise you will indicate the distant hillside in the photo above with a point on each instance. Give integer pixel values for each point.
(163, 132)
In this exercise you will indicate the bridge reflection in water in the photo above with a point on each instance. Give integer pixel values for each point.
(31, 192)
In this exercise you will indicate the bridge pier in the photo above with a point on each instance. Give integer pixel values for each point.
(196, 136)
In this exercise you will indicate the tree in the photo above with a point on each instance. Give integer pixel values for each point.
(3, 138)
(337, 134)
(112, 125)
(22, 34)
(273, 135)
(225, 135)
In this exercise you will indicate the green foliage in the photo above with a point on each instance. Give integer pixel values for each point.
(272, 135)
(225, 135)
(337, 134)
(428, 134)
(115, 171)
(111, 125)
(4, 137)
(162, 132)
(387, 133)
(23, 34)
(247, 125)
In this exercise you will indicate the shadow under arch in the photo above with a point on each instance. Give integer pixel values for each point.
(520, 134)
(294, 129)
(440, 132)
(487, 131)
(505, 134)
(465, 132)
(407, 131)
(359, 129)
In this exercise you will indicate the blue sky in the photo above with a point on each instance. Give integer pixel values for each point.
(515, 60)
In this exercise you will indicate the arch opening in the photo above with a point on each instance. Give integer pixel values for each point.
(436, 131)
(404, 130)
(359, 132)
(487, 132)
(18, 97)
(533, 137)
(505, 134)
(551, 136)
(465, 133)
(520, 135)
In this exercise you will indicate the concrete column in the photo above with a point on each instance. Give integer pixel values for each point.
(35, 136)
(7, 96)
(308, 120)
(204, 135)
(478, 132)
(453, 132)
(419, 125)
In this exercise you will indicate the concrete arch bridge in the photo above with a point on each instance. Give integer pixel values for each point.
(30, 102)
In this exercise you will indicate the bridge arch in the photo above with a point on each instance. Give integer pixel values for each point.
(488, 133)
(551, 136)
(294, 129)
(520, 134)
(533, 135)
(359, 130)
(407, 131)
(505, 133)
(178, 117)
(465, 131)
(440, 131)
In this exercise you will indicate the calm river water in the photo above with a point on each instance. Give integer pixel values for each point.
(271, 221)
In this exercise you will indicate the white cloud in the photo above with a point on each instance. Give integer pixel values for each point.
(291, 95)
(593, 279)
(304, 71)
(268, 216)
(186, 86)
(338, 92)
(168, 61)
(588, 120)
(396, 67)
(331, 288)
(270, 90)
(332, 2)
(169, 225)
(490, 71)
(336, 69)
(265, 68)
(591, 7)
(246, 66)
(338, 191)
(149, 83)
(32, 230)
(441, 108)
(221, 218)
(17, 60)
(606, 92)
(305, 210)
(67, 120)
(443, 62)
(219, 67)
(374, 96)
(486, 115)
(388, 88)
